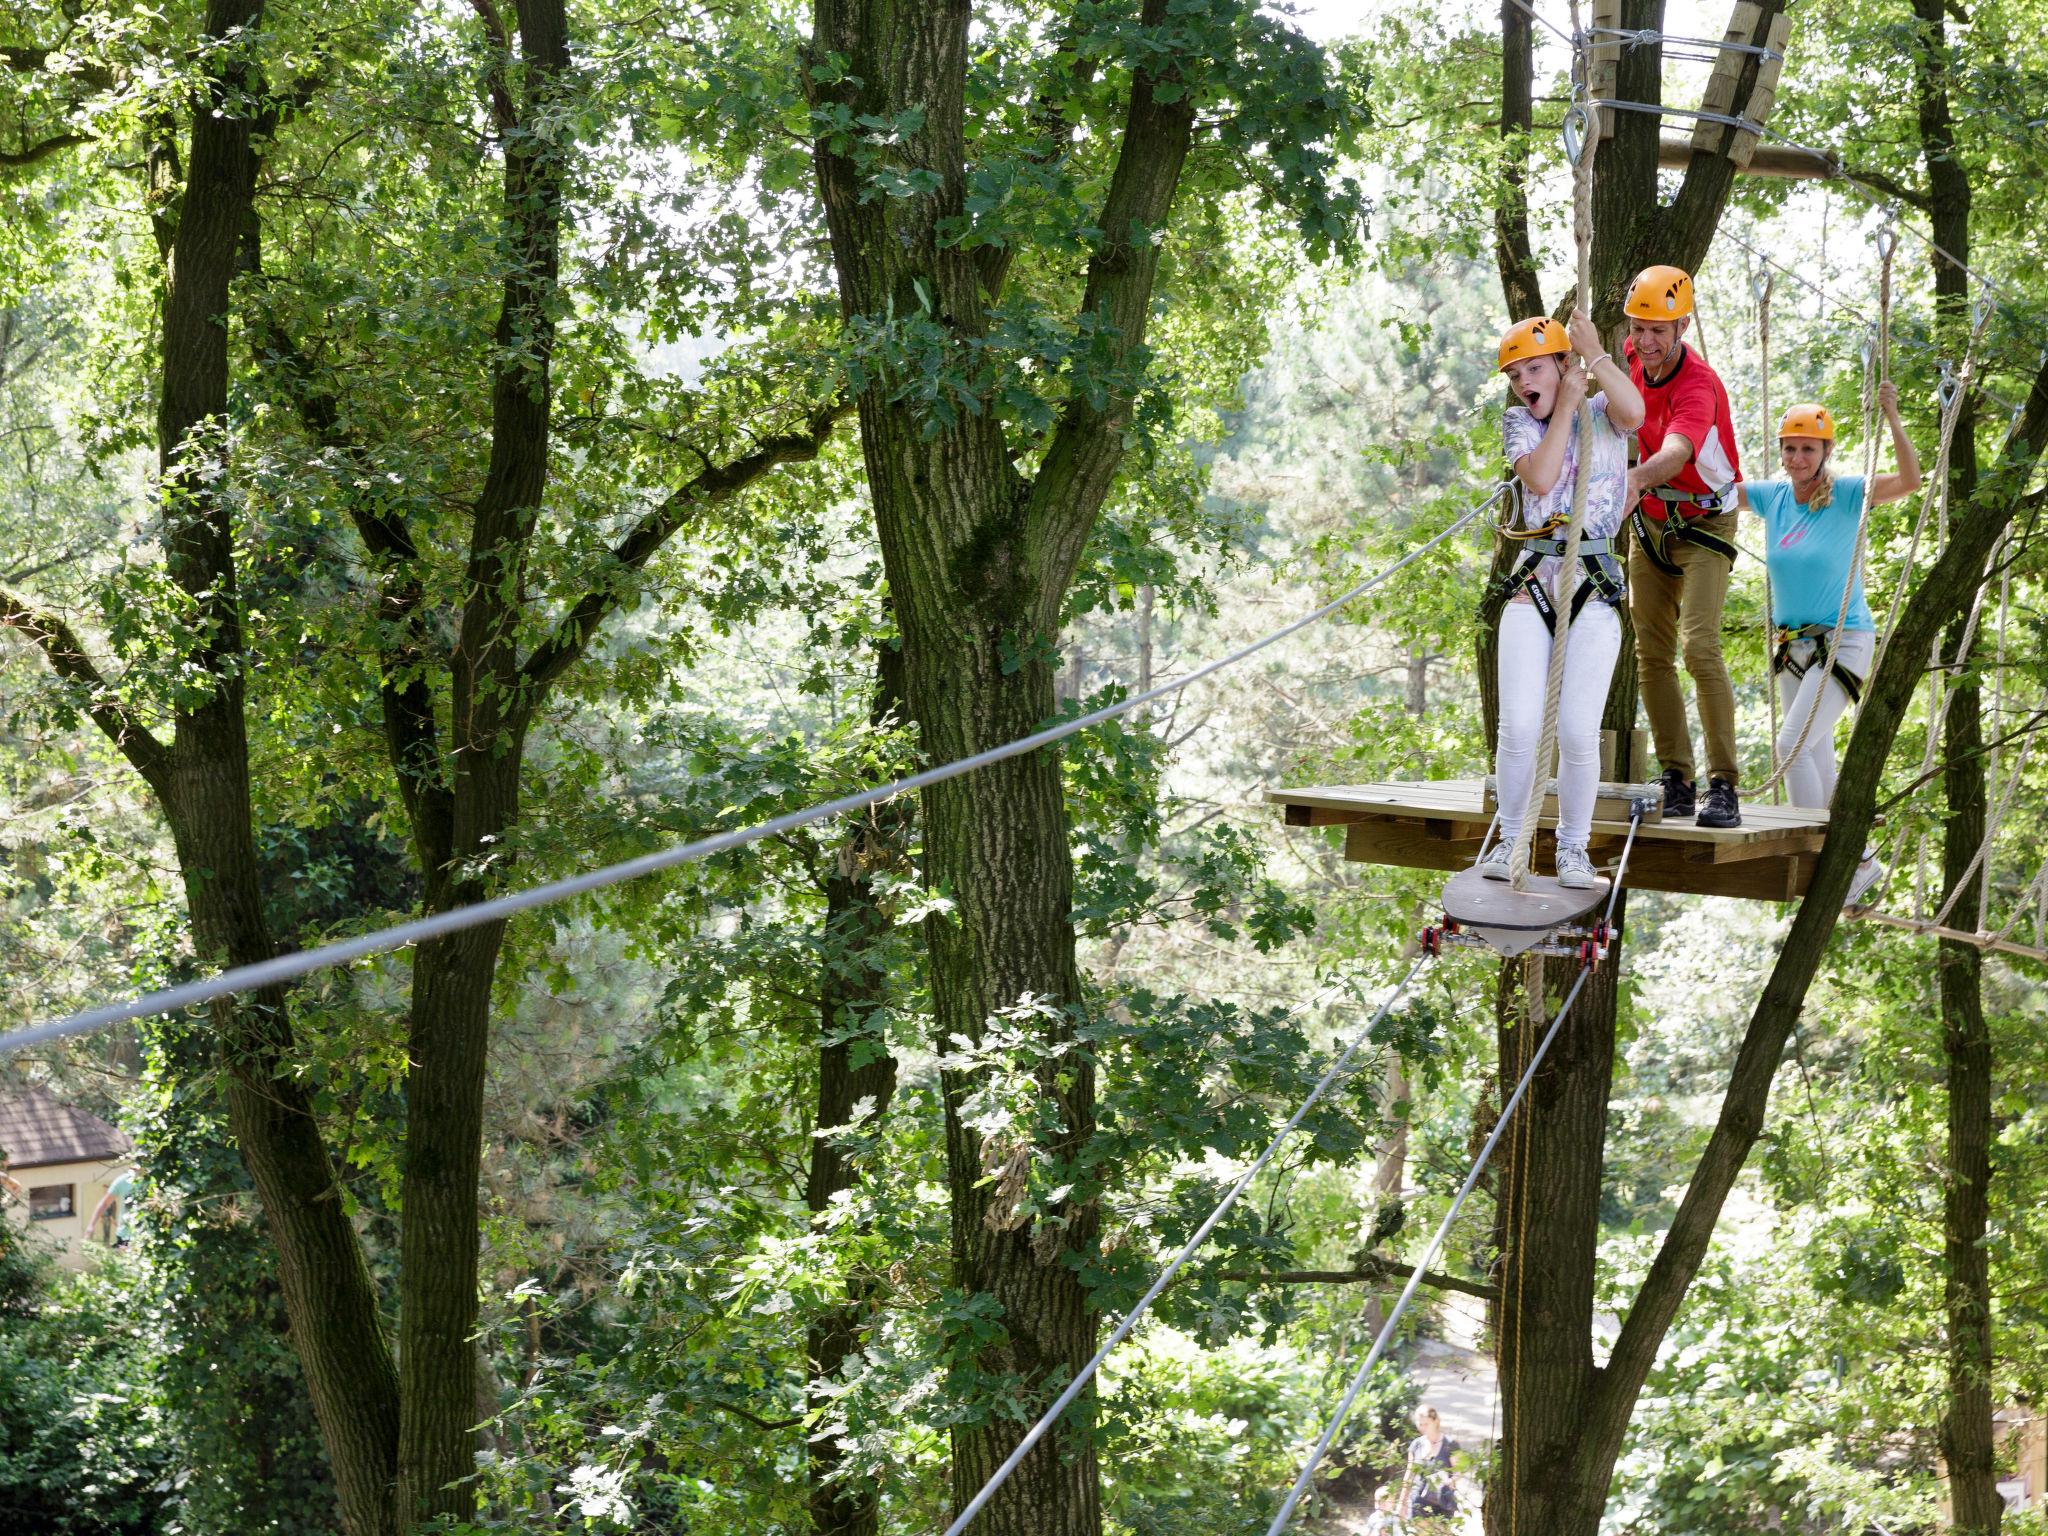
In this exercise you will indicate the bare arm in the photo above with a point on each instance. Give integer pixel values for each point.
(1624, 400)
(1539, 468)
(1905, 480)
(1660, 466)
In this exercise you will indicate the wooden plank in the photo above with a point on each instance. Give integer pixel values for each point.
(1603, 60)
(1654, 866)
(1611, 802)
(1726, 81)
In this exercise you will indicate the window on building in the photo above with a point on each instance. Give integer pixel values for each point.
(50, 1202)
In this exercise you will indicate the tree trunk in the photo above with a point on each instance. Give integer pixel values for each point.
(854, 1064)
(328, 1292)
(492, 703)
(979, 561)
(1966, 1421)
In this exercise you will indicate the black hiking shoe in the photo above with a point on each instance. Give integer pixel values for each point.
(1720, 809)
(1678, 797)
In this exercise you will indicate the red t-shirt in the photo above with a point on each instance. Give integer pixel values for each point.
(1691, 401)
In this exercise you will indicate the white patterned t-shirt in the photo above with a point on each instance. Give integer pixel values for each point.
(1606, 491)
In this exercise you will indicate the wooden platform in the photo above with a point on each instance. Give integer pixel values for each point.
(1438, 824)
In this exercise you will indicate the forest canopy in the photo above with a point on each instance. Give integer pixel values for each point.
(447, 450)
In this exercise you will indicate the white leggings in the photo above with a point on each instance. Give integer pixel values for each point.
(1810, 781)
(1524, 672)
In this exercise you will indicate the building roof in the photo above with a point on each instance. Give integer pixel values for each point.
(37, 1129)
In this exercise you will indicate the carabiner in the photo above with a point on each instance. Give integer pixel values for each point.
(1578, 126)
(1949, 387)
(1887, 237)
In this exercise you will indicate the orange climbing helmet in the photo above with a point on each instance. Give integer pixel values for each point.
(1808, 420)
(1540, 337)
(1659, 293)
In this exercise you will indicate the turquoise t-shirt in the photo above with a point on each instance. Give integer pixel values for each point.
(1809, 553)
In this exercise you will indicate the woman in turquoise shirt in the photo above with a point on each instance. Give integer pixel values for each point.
(1811, 521)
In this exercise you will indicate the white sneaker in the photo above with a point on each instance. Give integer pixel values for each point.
(1575, 870)
(1868, 873)
(1495, 865)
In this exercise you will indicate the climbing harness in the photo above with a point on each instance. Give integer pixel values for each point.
(1599, 568)
(1824, 638)
(1655, 539)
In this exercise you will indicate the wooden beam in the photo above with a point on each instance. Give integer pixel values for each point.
(1654, 866)
(1674, 153)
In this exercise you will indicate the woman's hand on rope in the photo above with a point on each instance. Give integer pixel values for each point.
(1904, 481)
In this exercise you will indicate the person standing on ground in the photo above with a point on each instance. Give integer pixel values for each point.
(1686, 477)
(1428, 1488)
(1812, 522)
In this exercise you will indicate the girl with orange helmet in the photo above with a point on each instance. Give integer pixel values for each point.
(1541, 430)
(1812, 522)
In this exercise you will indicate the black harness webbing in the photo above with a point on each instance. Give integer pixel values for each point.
(1819, 634)
(1652, 537)
(1603, 575)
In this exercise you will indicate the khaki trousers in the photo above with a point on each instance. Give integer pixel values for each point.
(1671, 612)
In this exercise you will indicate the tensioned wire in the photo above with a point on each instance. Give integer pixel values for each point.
(1436, 1242)
(1046, 1420)
(498, 908)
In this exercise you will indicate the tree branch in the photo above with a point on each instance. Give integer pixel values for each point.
(714, 484)
(503, 113)
(1708, 180)
(66, 656)
(1087, 443)
(15, 159)
(412, 738)
(36, 61)
(1066, 73)
(1892, 187)
(1370, 1270)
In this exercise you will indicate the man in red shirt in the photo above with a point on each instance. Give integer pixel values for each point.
(1684, 545)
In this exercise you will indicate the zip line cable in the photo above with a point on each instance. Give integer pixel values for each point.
(440, 925)
(1443, 1228)
(1073, 1389)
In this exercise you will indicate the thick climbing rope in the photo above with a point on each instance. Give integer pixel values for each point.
(1876, 371)
(1760, 284)
(1581, 143)
(1074, 1388)
(1950, 395)
(1507, 1114)
(421, 930)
